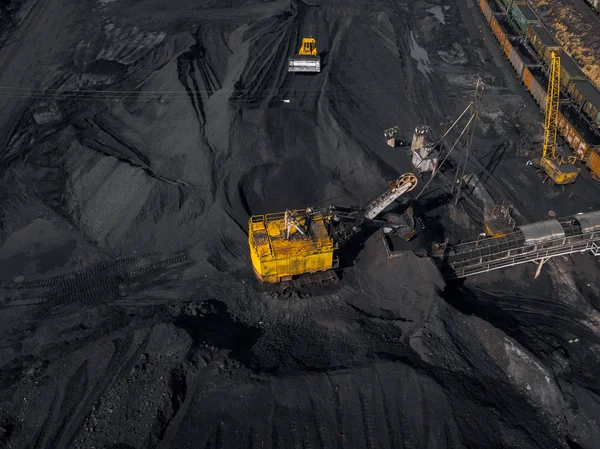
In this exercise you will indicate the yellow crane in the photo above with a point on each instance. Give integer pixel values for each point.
(560, 171)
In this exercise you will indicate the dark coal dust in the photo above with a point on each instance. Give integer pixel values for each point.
(138, 138)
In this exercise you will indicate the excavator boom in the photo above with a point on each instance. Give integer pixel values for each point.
(403, 184)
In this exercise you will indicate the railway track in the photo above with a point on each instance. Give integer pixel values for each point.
(101, 283)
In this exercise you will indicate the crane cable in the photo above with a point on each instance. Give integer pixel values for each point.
(450, 151)
(9, 92)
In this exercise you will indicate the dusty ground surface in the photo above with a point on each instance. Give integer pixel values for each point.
(575, 26)
(130, 316)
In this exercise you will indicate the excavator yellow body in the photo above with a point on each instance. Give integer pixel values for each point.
(307, 59)
(560, 174)
(276, 258)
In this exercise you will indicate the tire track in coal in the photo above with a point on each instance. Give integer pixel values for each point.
(199, 380)
(549, 311)
(318, 421)
(254, 441)
(233, 246)
(74, 391)
(97, 285)
(104, 267)
(127, 352)
(221, 436)
(266, 67)
(296, 439)
(42, 431)
(339, 415)
(406, 434)
(88, 293)
(22, 302)
(136, 303)
(306, 443)
(367, 416)
(70, 411)
(386, 410)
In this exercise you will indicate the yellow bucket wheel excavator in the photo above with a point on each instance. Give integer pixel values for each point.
(300, 242)
(307, 60)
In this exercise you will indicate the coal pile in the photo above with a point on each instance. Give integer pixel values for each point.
(129, 313)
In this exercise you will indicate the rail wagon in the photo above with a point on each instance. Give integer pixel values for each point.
(569, 70)
(576, 92)
(497, 30)
(542, 42)
(485, 8)
(593, 163)
(535, 82)
(591, 105)
(515, 58)
(507, 48)
(523, 15)
(507, 4)
(586, 97)
(577, 132)
(594, 4)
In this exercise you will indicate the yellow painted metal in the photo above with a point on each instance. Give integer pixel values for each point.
(552, 98)
(308, 47)
(561, 173)
(492, 231)
(275, 258)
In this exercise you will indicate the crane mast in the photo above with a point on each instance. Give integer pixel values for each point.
(555, 167)
(552, 99)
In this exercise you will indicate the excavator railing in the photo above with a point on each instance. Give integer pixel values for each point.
(483, 263)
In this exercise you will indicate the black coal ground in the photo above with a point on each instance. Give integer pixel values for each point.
(189, 137)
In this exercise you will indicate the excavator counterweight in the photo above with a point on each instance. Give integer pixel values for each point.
(307, 60)
(296, 242)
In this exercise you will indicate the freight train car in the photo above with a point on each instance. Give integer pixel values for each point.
(591, 106)
(507, 47)
(594, 4)
(523, 15)
(498, 31)
(485, 8)
(577, 132)
(576, 92)
(507, 4)
(515, 58)
(586, 97)
(542, 42)
(593, 163)
(569, 71)
(536, 83)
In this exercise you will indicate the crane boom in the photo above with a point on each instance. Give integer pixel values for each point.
(554, 166)
(552, 99)
(397, 188)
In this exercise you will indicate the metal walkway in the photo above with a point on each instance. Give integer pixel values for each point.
(537, 242)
